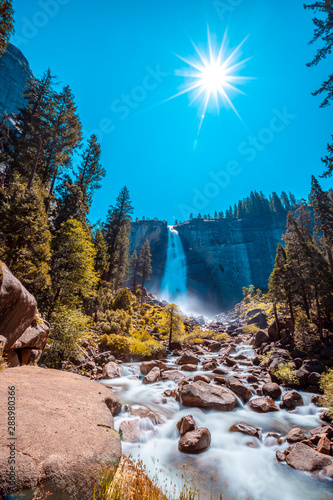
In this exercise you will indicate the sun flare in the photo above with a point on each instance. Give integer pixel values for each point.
(214, 75)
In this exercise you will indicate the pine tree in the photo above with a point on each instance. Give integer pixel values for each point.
(90, 171)
(276, 205)
(134, 270)
(303, 217)
(281, 282)
(71, 203)
(285, 200)
(323, 212)
(116, 231)
(25, 238)
(101, 259)
(6, 24)
(145, 268)
(173, 325)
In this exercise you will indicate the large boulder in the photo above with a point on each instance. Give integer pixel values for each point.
(291, 399)
(17, 307)
(130, 430)
(65, 432)
(236, 386)
(35, 337)
(146, 366)
(305, 458)
(262, 405)
(260, 337)
(259, 320)
(271, 389)
(195, 441)
(153, 376)
(204, 395)
(187, 358)
(111, 370)
(296, 435)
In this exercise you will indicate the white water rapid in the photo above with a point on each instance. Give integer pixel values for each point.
(238, 466)
(174, 281)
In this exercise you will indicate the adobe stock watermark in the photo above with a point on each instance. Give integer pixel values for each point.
(122, 107)
(31, 27)
(224, 7)
(248, 149)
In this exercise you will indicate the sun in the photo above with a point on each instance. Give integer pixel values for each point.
(213, 75)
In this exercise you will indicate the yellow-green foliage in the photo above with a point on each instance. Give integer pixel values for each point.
(326, 384)
(110, 321)
(123, 301)
(264, 358)
(135, 484)
(222, 337)
(197, 336)
(250, 329)
(285, 374)
(68, 327)
(117, 344)
(139, 345)
(253, 303)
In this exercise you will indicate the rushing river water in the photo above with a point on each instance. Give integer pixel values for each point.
(238, 466)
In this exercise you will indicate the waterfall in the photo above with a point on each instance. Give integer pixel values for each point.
(174, 281)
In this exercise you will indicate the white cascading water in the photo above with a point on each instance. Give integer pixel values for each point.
(174, 281)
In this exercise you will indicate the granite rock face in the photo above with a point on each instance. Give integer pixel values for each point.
(222, 255)
(14, 73)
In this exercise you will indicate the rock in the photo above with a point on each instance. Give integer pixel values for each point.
(17, 307)
(296, 435)
(314, 378)
(324, 445)
(174, 375)
(239, 388)
(229, 362)
(220, 371)
(262, 405)
(291, 399)
(308, 367)
(66, 431)
(201, 377)
(260, 338)
(111, 370)
(219, 380)
(34, 337)
(146, 366)
(252, 379)
(113, 403)
(153, 376)
(203, 395)
(211, 365)
(298, 363)
(259, 320)
(302, 457)
(281, 455)
(188, 368)
(325, 430)
(130, 430)
(245, 428)
(29, 356)
(195, 441)
(271, 389)
(185, 424)
(187, 358)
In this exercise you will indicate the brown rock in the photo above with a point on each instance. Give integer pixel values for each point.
(239, 388)
(17, 307)
(211, 365)
(153, 376)
(281, 455)
(292, 399)
(220, 371)
(262, 405)
(271, 389)
(195, 441)
(203, 395)
(174, 375)
(34, 337)
(130, 430)
(146, 366)
(188, 368)
(66, 430)
(201, 377)
(296, 435)
(185, 424)
(325, 430)
(145, 412)
(187, 358)
(302, 457)
(324, 445)
(245, 428)
(111, 370)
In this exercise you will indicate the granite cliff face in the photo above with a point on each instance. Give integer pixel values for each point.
(222, 255)
(14, 73)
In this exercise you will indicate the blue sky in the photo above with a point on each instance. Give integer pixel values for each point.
(119, 60)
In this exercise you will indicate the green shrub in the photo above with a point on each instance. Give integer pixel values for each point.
(68, 327)
(110, 321)
(251, 329)
(117, 344)
(221, 337)
(306, 333)
(264, 358)
(123, 301)
(285, 374)
(326, 384)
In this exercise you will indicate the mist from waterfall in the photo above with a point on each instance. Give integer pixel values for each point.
(174, 281)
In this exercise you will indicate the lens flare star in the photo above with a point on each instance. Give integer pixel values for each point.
(213, 76)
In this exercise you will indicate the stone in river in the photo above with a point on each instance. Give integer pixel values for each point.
(262, 405)
(302, 457)
(195, 441)
(185, 424)
(245, 428)
(203, 395)
(296, 435)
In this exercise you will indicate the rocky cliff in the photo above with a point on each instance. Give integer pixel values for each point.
(14, 73)
(222, 255)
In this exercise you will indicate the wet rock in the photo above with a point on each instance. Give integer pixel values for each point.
(324, 445)
(146, 366)
(298, 363)
(145, 412)
(325, 430)
(213, 345)
(252, 379)
(281, 455)
(229, 362)
(187, 358)
(291, 399)
(245, 428)
(211, 365)
(169, 393)
(260, 338)
(189, 368)
(220, 371)
(316, 400)
(111, 370)
(219, 380)
(203, 395)
(304, 458)
(195, 441)
(153, 376)
(175, 376)
(185, 424)
(296, 435)
(239, 388)
(309, 367)
(271, 389)
(201, 377)
(113, 403)
(130, 430)
(262, 405)
(314, 378)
